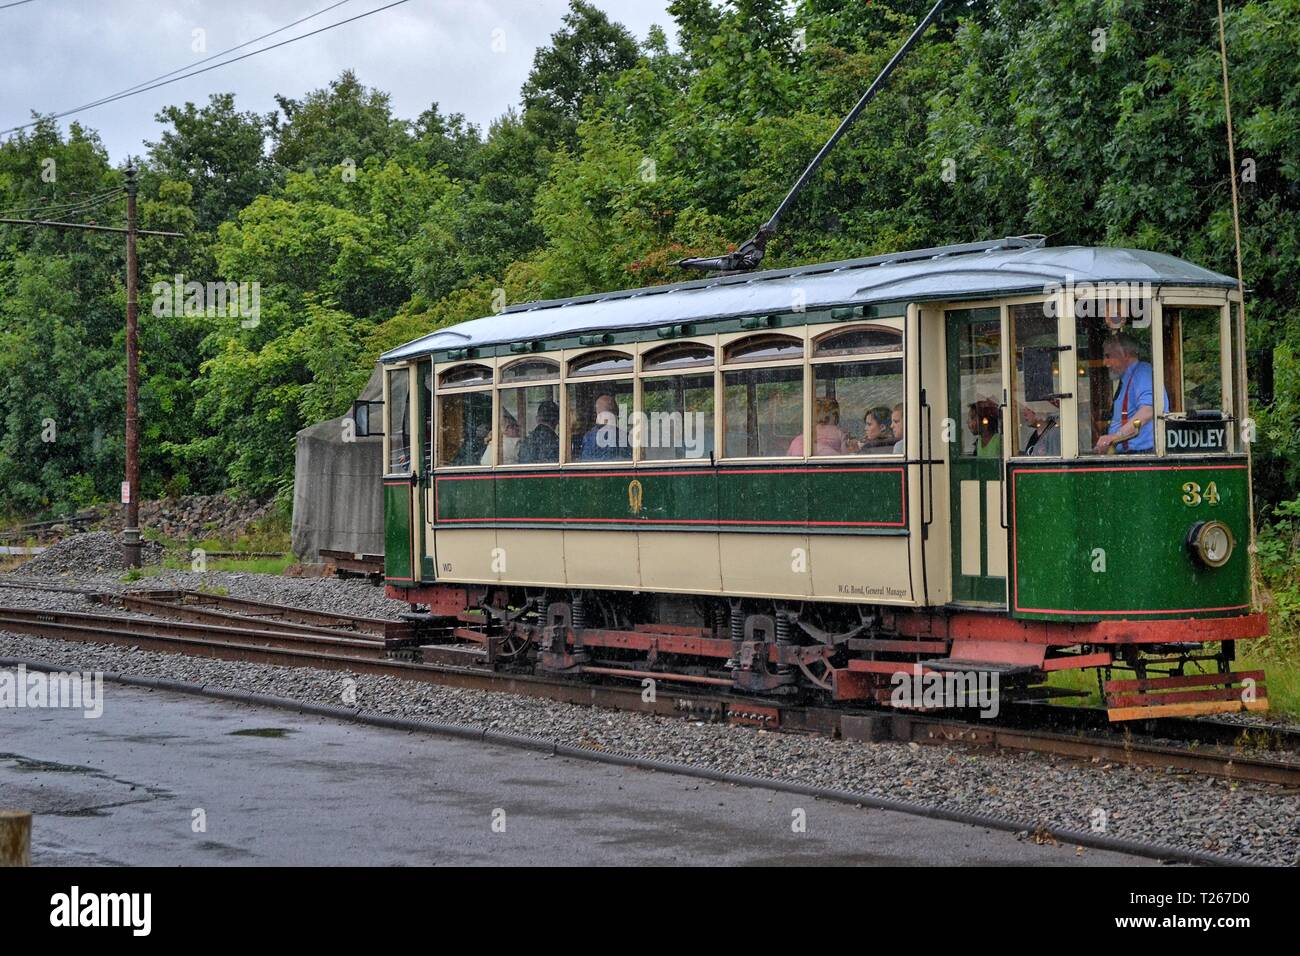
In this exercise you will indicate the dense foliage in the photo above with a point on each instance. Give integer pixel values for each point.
(1092, 121)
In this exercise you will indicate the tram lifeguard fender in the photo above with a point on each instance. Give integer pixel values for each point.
(989, 627)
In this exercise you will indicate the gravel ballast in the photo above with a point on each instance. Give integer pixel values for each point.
(1198, 813)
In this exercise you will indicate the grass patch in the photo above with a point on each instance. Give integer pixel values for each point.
(270, 534)
(1282, 678)
(250, 565)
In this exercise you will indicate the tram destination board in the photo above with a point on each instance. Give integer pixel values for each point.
(1196, 436)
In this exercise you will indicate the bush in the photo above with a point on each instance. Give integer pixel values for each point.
(1278, 542)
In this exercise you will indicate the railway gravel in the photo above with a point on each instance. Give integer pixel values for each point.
(1255, 822)
(85, 554)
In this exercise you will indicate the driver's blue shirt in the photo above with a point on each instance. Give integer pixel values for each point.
(1136, 388)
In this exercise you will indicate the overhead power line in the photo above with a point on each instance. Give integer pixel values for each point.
(16, 3)
(214, 56)
(185, 76)
(64, 208)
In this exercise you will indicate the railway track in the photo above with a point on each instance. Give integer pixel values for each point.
(239, 629)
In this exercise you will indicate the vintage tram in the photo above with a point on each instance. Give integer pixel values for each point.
(995, 458)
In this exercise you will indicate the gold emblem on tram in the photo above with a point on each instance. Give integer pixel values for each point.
(634, 495)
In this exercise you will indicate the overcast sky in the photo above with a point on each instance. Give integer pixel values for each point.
(470, 56)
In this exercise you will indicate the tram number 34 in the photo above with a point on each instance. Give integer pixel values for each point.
(1194, 495)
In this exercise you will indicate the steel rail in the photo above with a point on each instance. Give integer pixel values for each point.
(203, 613)
(369, 657)
(378, 627)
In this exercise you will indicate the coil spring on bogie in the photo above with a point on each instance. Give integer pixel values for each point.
(782, 627)
(737, 623)
(578, 613)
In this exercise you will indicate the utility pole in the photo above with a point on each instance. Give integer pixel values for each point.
(131, 486)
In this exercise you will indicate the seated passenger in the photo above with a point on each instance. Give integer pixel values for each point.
(605, 440)
(1045, 440)
(983, 422)
(896, 426)
(878, 436)
(509, 442)
(829, 437)
(542, 446)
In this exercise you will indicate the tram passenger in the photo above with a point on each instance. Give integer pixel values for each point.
(896, 426)
(542, 446)
(828, 436)
(1131, 430)
(509, 442)
(1045, 440)
(877, 437)
(983, 422)
(605, 440)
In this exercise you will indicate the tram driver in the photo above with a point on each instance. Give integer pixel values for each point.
(1131, 430)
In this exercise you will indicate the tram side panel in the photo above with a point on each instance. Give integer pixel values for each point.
(1108, 539)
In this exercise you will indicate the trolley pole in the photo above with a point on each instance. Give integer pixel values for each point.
(131, 486)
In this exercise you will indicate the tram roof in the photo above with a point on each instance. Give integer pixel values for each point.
(1014, 266)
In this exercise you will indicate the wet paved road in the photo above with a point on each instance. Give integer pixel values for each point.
(273, 787)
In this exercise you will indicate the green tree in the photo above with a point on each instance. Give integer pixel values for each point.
(346, 121)
(575, 67)
(219, 152)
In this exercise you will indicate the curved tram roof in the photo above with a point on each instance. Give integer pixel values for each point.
(1015, 266)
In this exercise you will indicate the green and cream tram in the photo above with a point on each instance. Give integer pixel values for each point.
(999, 456)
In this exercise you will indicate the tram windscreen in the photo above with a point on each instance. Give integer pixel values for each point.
(1036, 385)
(399, 427)
(1115, 380)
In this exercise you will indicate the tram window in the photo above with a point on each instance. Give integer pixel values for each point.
(1193, 359)
(979, 384)
(425, 379)
(764, 348)
(1115, 379)
(853, 407)
(527, 426)
(677, 417)
(399, 421)
(464, 423)
(1236, 384)
(1035, 419)
(600, 415)
(867, 338)
(600, 363)
(464, 375)
(682, 355)
(531, 370)
(763, 412)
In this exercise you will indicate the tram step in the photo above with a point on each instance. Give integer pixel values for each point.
(457, 655)
(1185, 695)
(1001, 668)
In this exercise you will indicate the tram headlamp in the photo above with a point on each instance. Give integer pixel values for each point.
(1210, 543)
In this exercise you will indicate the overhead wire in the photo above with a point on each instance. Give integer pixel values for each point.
(193, 73)
(214, 56)
(65, 208)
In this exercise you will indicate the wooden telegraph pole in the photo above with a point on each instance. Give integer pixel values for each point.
(131, 486)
